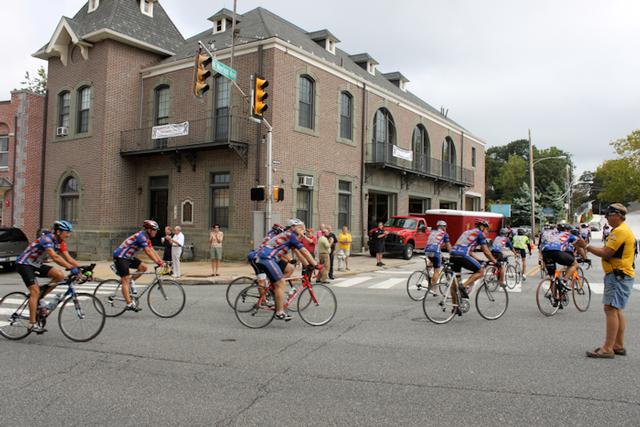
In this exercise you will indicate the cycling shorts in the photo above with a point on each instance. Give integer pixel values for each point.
(253, 262)
(123, 265)
(467, 262)
(29, 273)
(435, 258)
(271, 268)
(499, 256)
(522, 252)
(550, 259)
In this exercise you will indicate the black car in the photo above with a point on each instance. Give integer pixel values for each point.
(12, 243)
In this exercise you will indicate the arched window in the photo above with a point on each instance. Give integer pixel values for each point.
(384, 135)
(449, 158)
(421, 149)
(346, 115)
(306, 98)
(84, 108)
(69, 198)
(64, 103)
(222, 100)
(161, 105)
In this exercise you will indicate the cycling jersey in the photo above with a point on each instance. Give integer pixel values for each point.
(550, 241)
(500, 243)
(279, 245)
(435, 241)
(468, 241)
(520, 242)
(36, 252)
(132, 245)
(566, 240)
(585, 233)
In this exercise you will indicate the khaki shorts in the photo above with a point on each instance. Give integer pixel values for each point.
(346, 252)
(215, 252)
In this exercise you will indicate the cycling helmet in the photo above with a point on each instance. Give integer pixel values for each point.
(277, 228)
(151, 224)
(441, 223)
(62, 225)
(480, 221)
(520, 232)
(562, 227)
(583, 225)
(294, 222)
(504, 231)
(575, 232)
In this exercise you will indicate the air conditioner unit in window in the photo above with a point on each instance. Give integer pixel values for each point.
(62, 131)
(305, 181)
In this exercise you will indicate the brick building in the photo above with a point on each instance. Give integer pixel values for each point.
(22, 121)
(352, 145)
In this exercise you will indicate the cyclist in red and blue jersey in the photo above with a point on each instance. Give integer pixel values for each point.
(554, 245)
(462, 253)
(252, 256)
(29, 265)
(438, 239)
(274, 251)
(124, 258)
(498, 247)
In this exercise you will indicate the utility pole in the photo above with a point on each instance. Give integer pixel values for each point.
(569, 184)
(532, 186)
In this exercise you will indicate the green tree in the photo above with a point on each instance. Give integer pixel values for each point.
(510, 177)
(629, 147)
(37, 83)
(521, 207)
(620, 180)
(554, 198)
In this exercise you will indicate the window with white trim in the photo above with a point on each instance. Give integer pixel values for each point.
(187, 212)
(64, 104)
(93, 5)
(69, 199)
(306, 98)
(146, 7)
(346, 114)
(84, 108)
(331, 46)
(220, 26)
(4, 151)
(344, 204)
(371, 68)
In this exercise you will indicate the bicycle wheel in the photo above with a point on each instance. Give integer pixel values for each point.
(255, 306)
(81, 318)
(492, 304)
(510, 277)
(236, 286)
(14, 316)
(417, 284)
(545, 299)
(437, 304)
(542, 268)
(109, 293)
(581, 294)
(166, 298)
(491, 277)
(317, 305)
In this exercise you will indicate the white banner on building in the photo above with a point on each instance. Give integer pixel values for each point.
(402, 154)
(172, 129)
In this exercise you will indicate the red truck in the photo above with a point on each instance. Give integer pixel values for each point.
(406, 233)
(461, 221)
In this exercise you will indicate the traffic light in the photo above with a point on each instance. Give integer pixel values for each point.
(200, 85)
(260, 95)
(257, 194)
(278, 194)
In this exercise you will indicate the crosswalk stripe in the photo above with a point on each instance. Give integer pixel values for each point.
(389, 283)
(394, 271)
(597, 288)
(12, 310)
(353, 281)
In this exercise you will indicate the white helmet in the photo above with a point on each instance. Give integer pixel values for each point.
(441, 223)
(294, 222)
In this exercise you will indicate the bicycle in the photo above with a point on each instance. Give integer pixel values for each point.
(81, 316)
(237, 285)
(254, 306)
(166, 298)
(419, 281)
(492, 277)
(517, 264)
(551, 293)
(443, 300)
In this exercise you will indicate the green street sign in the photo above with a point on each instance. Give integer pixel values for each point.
(225, 70)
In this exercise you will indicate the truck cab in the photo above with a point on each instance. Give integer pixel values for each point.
(406, 233)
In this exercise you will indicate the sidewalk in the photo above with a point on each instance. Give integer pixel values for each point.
(199, 272)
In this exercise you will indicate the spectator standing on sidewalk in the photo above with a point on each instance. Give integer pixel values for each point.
(177, 242)
(309, 240)
(324, 249)
(333, 241)
(344, 246)
(166, 243)
(216, 236)
(378, 236)
(618, 256)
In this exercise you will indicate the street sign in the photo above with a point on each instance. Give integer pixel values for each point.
(548, 212)
(501, 209)
(225, 70)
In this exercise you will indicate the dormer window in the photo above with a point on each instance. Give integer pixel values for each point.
(331, 46)
(93, 5)
(146, 7)
(371, 68)
(219, 26)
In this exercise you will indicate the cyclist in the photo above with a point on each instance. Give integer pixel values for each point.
(499, 245)
(606, 230)
(274, 251)
(438, 239)
(557, 248)
(585, 233)
(124, 258)
(29, 265)
(521, 244)
(461, 254)
(252, 255)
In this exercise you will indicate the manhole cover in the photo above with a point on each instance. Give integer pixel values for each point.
(228, 340)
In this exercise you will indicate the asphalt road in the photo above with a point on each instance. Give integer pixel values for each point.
(379, 362)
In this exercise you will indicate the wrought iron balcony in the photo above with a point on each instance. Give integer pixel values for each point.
(382, 154)
(210, 133)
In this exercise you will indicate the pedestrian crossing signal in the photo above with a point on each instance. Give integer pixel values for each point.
(278, 194)
(200, 86)
(257, 194)
(260, 95)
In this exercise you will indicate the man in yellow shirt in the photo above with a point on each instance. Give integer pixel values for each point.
(344, 245)
(618, 256)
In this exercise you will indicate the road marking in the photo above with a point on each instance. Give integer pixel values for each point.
(533, 271)
(353, 281)
(12, 310)
(516, 289)
(394, 271)
(389, 283)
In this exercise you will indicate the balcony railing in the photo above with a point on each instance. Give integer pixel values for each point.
(421, 164)
(206, 133)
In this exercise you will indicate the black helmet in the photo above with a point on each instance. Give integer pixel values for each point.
(481, 221)
(520, 232)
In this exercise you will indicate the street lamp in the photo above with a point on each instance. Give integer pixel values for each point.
(532, 183)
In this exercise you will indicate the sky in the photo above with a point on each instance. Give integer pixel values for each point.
(566, 69)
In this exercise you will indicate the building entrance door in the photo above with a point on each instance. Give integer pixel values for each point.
(159, 204)
(381, 207)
